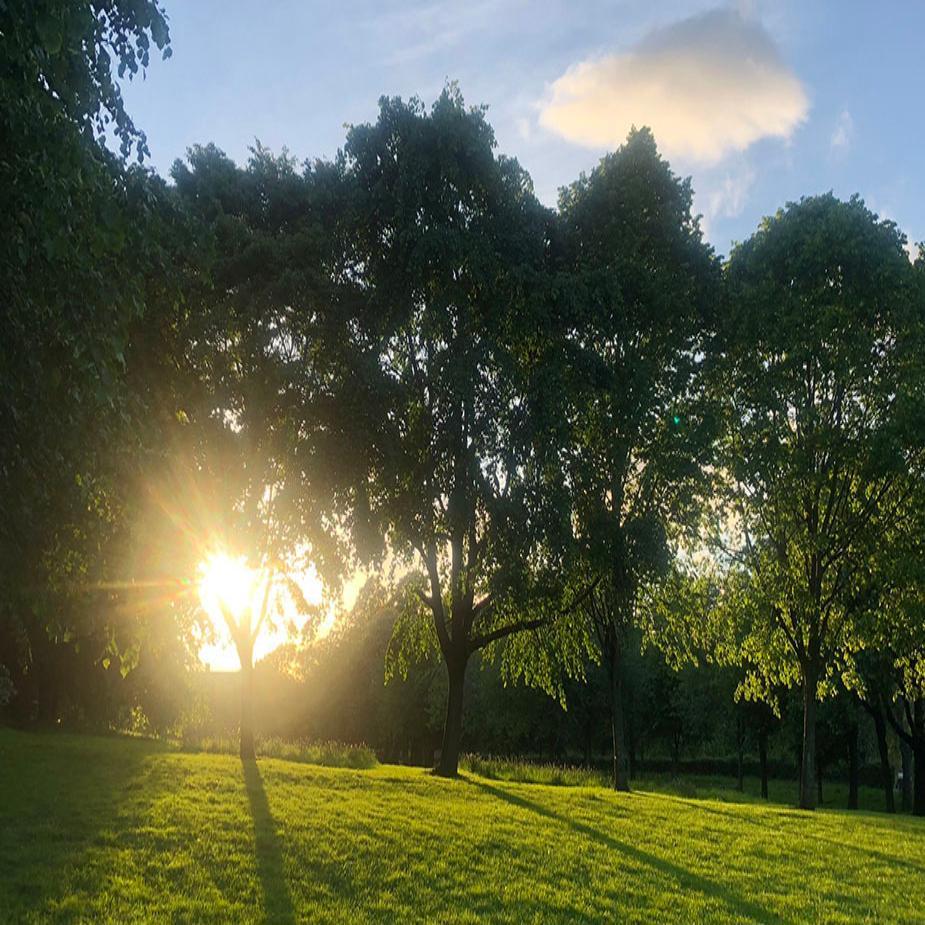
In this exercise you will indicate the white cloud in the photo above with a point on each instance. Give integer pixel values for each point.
(706, 86)
(843, 133)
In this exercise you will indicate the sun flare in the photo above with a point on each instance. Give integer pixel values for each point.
(226, 585)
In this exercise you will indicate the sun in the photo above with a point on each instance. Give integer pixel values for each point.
(227, 586)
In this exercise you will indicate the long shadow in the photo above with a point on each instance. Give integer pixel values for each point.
(61, 796)
(770, 826)
(277, 903)
(741, 907)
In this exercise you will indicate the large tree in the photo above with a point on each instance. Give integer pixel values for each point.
(636, 287)
(446, 247)
(251, 468)
(81, 262)
(822, 385)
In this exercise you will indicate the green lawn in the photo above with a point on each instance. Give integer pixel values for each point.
(123, 830)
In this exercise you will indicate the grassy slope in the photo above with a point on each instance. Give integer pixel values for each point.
(113, 829)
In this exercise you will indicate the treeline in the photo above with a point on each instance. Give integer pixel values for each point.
(678, 721)
(556, 435)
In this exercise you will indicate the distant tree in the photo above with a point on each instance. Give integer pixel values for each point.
(889, 671)
(823, 374)
(636, 290)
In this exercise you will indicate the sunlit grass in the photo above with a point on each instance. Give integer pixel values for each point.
(97, 830)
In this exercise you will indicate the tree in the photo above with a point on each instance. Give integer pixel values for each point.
(446, 245)
(637, 285)
(246, 600)
(822, 373)
(76, 284)
(255, 454)
(889, 671)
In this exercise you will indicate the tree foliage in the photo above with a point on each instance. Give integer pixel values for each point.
(823, 387)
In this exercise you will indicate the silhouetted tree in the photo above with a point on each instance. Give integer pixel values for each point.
(636, 288)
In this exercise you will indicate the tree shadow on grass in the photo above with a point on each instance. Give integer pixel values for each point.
(63, 798)
(771, 825)
(277, 903)
(742, 908)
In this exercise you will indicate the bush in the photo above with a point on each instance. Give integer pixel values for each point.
(512, 769)
(327, 754)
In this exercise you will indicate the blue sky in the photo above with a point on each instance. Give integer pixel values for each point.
(760, 102)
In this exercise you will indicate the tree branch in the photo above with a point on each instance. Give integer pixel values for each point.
(502, 632)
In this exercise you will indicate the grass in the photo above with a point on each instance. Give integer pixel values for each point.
(125, 830)
(694, 786)
(327, 754)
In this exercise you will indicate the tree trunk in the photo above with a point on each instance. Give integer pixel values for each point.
(631, 745)
(740, 758)
(853, 767)
(808, 760)
(617, 721)
(905, 752)
(918, 778)
(918, 753)
(247, 709)
(448, 766)
(763, 759)
(886, 772)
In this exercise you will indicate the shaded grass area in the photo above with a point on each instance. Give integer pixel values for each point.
(96, 830)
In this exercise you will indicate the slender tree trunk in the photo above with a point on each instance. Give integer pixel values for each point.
(617, 720)
(918, 779)
(918, 754)
(247, 708)
(853, 767)
(886, 771)
(740, 758)
(631, 744)
(763, 759)
(905, 752)
(448, 765)
(808, 761)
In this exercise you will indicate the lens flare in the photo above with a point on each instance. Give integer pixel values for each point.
(227, 587)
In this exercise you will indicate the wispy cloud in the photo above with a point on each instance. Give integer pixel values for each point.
(706, 86)
(843, 132)
(723, 195)
(728, 199)
(423, 30)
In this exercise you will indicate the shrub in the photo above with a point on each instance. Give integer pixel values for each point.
(327, 754)
(512, 769)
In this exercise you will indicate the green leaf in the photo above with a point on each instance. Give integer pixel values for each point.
(50, 34)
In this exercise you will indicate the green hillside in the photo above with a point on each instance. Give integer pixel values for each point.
(122, 830)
